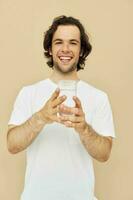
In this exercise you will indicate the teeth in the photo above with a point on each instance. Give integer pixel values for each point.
(65, 58)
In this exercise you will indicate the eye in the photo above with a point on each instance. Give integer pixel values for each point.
(58, 42)
(74, 43)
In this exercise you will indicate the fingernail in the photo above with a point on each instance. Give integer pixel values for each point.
(63, 96)
(59, 120)
(77, 111)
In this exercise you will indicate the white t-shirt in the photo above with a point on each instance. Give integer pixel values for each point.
(58, 165)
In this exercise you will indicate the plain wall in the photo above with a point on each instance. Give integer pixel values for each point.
(109, 67)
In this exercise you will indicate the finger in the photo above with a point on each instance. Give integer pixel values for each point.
(73, 125)
(69, 110)
(70, 124)
(58, 101)
(71, 118)
(55, 94)
(56, 119)
(55, 110)
(77, 102)
(79, 112)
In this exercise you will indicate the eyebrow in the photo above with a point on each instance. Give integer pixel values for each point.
(72, 40)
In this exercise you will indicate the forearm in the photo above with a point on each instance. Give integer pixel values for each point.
(20, 137)
(99, 147)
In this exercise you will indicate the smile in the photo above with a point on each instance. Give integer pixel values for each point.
(65, 59)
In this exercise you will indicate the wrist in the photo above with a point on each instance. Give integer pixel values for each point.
(40, 118)
(86, 130)
(36, 123)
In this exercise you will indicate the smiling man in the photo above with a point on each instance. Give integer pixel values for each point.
(59, 147)
(66, 48)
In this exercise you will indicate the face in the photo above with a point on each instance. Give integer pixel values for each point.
(66, 48)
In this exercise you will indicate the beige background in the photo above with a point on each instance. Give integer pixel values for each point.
(109, 67)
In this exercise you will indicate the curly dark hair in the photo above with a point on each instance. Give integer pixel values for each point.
(85, 44)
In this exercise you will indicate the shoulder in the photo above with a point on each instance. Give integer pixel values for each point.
(92, 91)
(28, 92)
(29, 89)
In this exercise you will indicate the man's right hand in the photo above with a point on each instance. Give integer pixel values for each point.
(49, 112)
(20, 137)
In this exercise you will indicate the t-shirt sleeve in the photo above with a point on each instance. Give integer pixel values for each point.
(22, 108)
(103, 119)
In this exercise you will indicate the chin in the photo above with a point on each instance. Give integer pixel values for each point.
(66, 69)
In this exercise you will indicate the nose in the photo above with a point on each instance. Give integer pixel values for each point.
(65, 48)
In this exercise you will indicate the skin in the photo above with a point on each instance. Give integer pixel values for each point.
(20, 137)
(99, 147)
(65, 42)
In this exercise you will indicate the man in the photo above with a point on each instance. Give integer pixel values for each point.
(60, 147)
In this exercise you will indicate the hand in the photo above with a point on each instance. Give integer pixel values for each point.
(74, 117)
(49, 112)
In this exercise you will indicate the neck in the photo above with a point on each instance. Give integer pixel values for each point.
(56, 76)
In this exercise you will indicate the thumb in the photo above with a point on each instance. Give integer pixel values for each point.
(55, 94)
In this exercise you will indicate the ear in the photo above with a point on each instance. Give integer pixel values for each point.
(81, 53)
(50, 52)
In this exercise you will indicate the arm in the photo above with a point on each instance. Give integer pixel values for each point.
(98, 146)
(20, 137)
